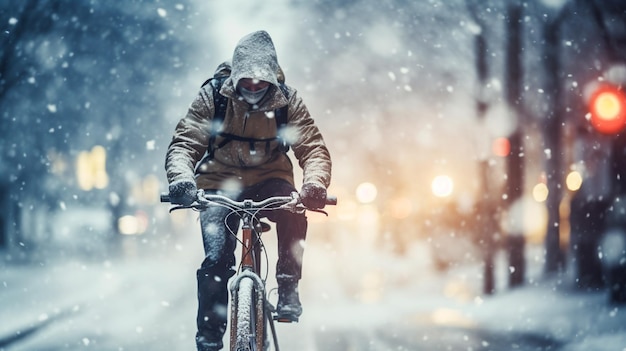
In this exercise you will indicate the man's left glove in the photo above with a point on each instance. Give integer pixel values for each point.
(183, 192)
(313, 195)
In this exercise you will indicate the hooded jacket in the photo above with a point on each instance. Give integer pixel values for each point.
(244, 163)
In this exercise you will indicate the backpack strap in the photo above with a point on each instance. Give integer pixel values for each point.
(281, 116)
(221, 102)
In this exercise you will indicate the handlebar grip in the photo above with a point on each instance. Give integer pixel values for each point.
(331, 200)
(165, 197)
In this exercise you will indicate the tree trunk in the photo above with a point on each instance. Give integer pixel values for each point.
(552, 139)
(515, 160)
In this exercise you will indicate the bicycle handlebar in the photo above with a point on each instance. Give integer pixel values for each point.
(204, 200)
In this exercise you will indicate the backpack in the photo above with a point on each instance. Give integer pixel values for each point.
(221, 102)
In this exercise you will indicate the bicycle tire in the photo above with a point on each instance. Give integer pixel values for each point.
(246, 338)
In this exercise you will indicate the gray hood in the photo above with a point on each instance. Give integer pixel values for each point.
(255, 58)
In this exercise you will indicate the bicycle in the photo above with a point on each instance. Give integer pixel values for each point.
(250, 311)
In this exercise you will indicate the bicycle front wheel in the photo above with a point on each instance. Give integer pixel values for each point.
(249, 322)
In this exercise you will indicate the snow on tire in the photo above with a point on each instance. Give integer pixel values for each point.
(246, 339)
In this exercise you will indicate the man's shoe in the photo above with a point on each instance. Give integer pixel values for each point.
(289, 308)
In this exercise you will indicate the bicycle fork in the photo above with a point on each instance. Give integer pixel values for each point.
(249, 309)
(247, 312)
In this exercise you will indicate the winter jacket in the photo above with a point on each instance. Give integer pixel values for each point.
(242, 162)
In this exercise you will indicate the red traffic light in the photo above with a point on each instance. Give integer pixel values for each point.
(608, 109)
(501, 147)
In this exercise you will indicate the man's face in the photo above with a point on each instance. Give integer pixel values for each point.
(253, 84)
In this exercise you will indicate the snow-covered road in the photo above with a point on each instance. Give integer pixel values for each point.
(354, 299)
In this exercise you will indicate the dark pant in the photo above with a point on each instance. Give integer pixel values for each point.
(218, 234)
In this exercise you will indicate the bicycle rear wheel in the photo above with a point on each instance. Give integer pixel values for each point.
(249, 323)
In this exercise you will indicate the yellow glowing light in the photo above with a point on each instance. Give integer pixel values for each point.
(540, 192)
(366, 193)
(442, 186)
(128, 225)
(91, 169)
(574, 181)
(132, 225)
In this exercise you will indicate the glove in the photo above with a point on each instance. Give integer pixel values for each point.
(183, 192)
(313, 196)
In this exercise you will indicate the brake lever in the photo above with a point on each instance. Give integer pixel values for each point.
(318, 210)
(296, 206)
(200, 196)
(178, 207)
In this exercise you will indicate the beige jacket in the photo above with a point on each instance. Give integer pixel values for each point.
(241, 162)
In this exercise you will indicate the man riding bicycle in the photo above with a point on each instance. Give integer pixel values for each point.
(242, 155)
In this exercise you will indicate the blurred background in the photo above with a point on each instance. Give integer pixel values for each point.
(475, 129)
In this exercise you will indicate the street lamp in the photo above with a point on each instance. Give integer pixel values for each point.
(442, 186)
(366, 193)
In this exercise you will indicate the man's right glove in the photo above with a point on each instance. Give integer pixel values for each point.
(183, 192)
(313, 195)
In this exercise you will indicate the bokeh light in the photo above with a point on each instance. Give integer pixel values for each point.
(442, 186)
(501, 147)
(540, 192)
(366, 193)
(574, 181)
